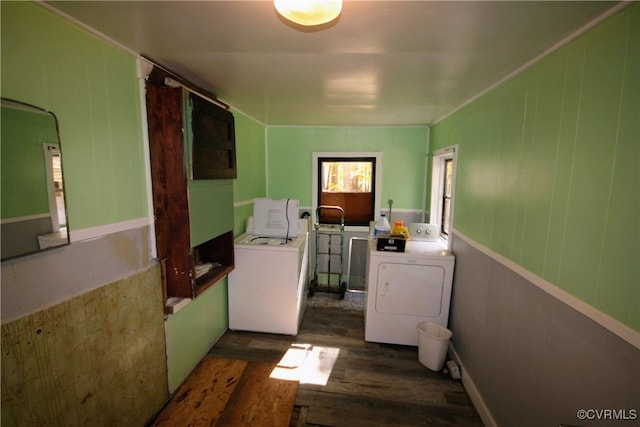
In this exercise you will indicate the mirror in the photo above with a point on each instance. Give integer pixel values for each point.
(33, 214)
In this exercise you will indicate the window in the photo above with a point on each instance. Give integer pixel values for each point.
(443, 189)
(446, 197)
(348, 183)
(347, 180)
(55, 188)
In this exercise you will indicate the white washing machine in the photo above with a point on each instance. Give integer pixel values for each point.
(405, 289)
(267, 288)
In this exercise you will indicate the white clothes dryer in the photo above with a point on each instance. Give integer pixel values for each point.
(405, 289)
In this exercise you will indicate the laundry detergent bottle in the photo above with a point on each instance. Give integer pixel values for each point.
(399, 229)
(382, 226)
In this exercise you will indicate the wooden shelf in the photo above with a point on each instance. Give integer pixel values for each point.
(218, 251)
(205, 281)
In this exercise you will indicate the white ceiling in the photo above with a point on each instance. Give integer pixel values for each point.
(381, 63)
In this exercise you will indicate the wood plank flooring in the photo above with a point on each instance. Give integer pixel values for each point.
(370, 384)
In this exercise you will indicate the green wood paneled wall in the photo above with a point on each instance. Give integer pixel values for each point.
(23, 165)
(549, 167)
(251, 179)
(290, 154)
(210, 208)
(193, 330)
(250, 157)
(92, 88)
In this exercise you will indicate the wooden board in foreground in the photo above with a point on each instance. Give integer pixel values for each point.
(204, 395)
(260, 401)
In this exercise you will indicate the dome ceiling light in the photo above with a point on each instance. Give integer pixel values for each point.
(309, 12)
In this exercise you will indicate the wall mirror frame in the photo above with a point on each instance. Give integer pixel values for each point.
(33, 207)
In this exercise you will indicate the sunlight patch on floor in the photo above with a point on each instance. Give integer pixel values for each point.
(307, 364)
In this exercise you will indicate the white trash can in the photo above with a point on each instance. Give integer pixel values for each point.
(433, 341)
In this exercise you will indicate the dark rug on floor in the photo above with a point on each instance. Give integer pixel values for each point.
(353, 300)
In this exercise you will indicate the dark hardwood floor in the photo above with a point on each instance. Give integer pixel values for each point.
(370, 384)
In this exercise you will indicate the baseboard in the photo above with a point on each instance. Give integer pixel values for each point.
(472, 391)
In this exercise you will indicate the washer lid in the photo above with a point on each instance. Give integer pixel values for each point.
(269, 243)
(275, 218)
(252, 239)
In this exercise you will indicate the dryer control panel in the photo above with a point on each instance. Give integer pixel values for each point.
(423, 232)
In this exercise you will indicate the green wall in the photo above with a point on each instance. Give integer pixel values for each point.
(549, 168)
(403, 149)
(250, 155)
(92, 88)
(193, 330)
(250, 159)
(24, 178)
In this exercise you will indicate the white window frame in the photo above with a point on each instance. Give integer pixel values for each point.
(51, 151)
(437, 188)
(349, 154)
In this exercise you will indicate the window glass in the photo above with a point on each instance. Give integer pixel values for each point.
(59, 190)
(349, 177)
(348, 183)
(446, 196)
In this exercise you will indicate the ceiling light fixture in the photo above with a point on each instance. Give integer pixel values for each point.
(309, 12)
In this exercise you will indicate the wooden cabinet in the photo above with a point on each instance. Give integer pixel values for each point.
(214, 143)
(193, 217)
